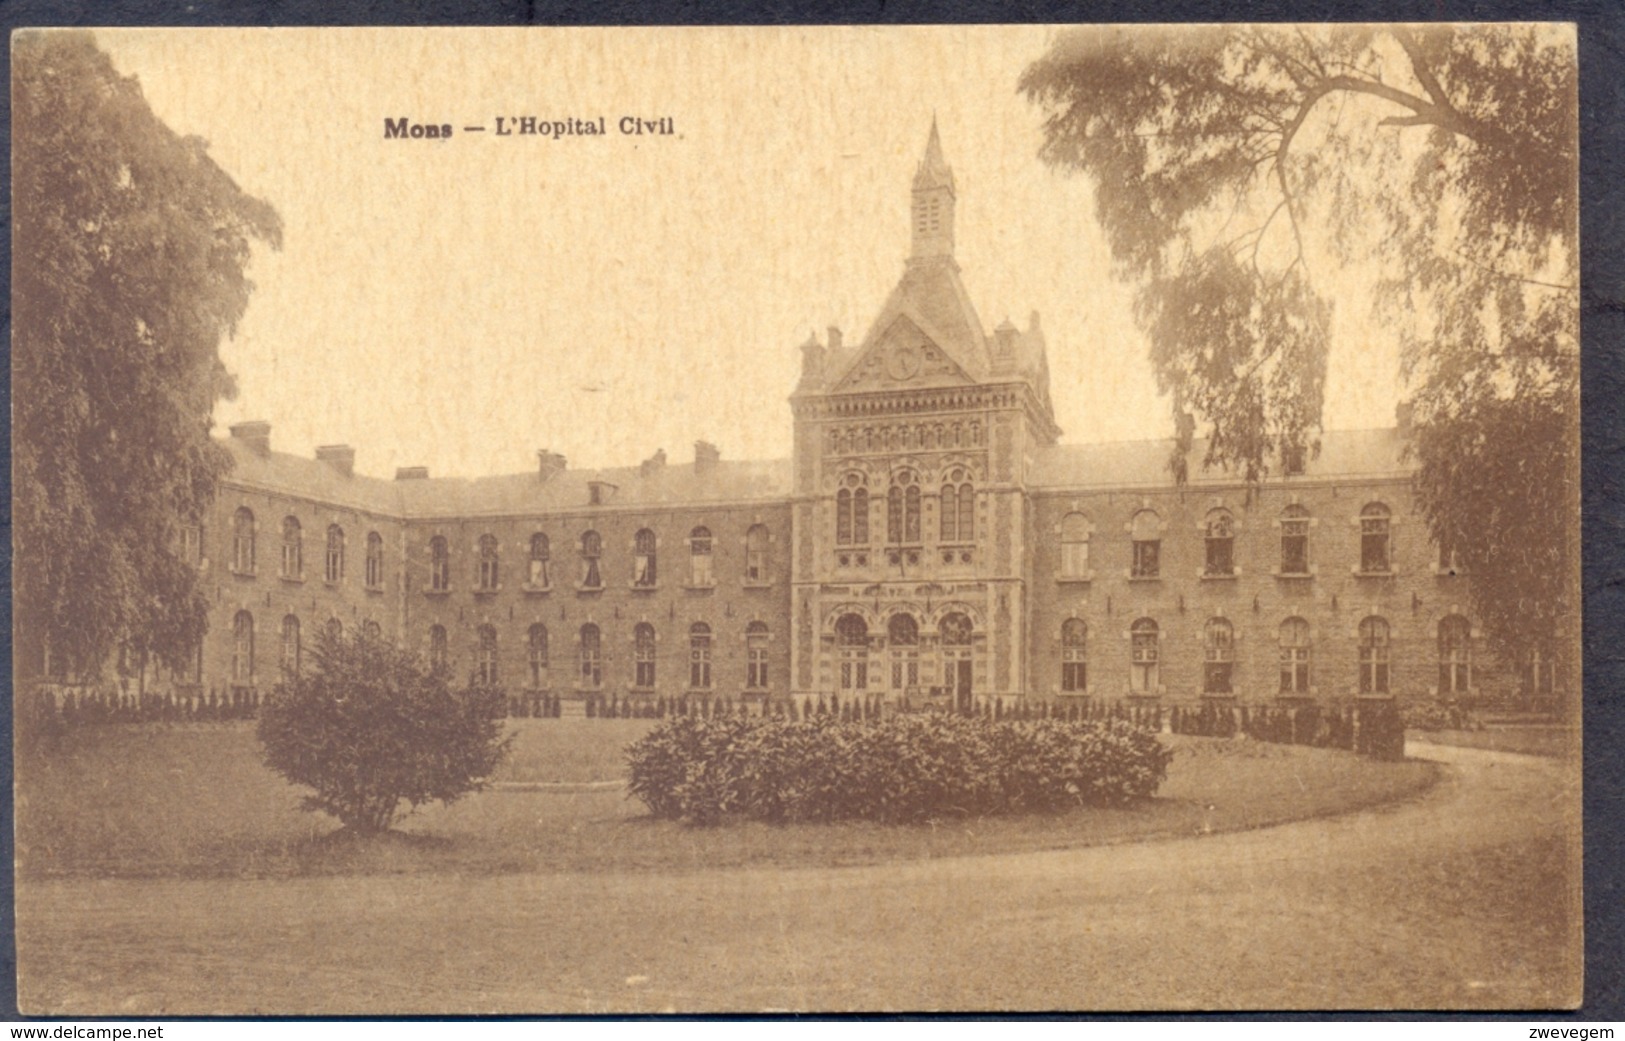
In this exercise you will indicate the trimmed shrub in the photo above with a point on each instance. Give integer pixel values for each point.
(371, 728)
(902, 769)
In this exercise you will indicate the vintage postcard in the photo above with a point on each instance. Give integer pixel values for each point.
(1026, 518)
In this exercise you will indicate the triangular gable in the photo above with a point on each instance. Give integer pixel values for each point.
(906, 352)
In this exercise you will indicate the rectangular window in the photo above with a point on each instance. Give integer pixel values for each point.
(1295, 547)
(1147, 554)
(1074, 677)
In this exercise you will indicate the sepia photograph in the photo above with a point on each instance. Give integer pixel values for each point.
(796, 520)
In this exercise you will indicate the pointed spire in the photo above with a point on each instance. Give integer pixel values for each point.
(933, 171)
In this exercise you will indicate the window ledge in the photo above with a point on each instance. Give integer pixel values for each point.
(1358, 572)
(535, 590)
(292, 580)
(1146, 695)
(699, 587)
(584, 588)
(1144, 578)
(437, 592)
(1296, 575)
(756, 584)
(1084, 693)
(1207, 576)
(240, 573)
(1375, 697)
(642, 587)
(1083, 577)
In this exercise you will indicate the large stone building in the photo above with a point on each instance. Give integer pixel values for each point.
(930, 538)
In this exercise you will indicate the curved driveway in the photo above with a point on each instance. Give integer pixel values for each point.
(1465, 898)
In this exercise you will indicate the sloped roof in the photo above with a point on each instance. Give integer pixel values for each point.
(309, 478)
(566, 490)
(1142, 464)
(669, 485)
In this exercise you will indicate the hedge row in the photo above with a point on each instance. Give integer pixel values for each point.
(903, 769)
(1376, 729)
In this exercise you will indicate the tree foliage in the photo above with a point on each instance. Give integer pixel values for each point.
(371, 728)
(130, 247)
(1243, 175)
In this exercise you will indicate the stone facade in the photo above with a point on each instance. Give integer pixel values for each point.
(929, 539)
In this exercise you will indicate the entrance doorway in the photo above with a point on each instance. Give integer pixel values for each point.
(957, 661)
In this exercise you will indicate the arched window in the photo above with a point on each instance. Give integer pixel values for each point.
(438, 658)
(958, 506)
(643, 655)
(334, 571)
(699, 656)
(1074, 656)
(756, 544)
(852, 642)
(592, 657)
(643, 558)
(1144, 655)
(1219, 544)
(539, 553)
(293, 548)
(1295, 657)
(242, 648)
(489, 576)
(291, 651)
(591, 549)
(485, 664)
(1374, 539)
(242, 541)
(954, 630)
(1294, 541)
(903, 644)
(335, 630)
(1146, 531)
(1540, 674)
(699, 558)
(372, 629)
(756, 634)
(375, 560)
(852, 512)
(1074, 546)
(1374, 655)
(1455, 657)
(536, 656)
(1218, 656)
(439, 564)
(903, 509)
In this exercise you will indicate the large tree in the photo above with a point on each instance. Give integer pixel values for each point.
(129, 252)
(1245, 176)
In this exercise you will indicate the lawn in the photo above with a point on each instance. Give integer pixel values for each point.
(194, 800)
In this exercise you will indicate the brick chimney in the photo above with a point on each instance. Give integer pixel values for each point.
(653, 465)
(255, 433)
(411, 473)
(1405, 417)
(339, 457)
(548, 463)
(706, 457)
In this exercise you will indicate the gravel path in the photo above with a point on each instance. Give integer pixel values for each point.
(1464, 898)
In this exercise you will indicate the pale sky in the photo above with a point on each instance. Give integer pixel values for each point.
(459, 304)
